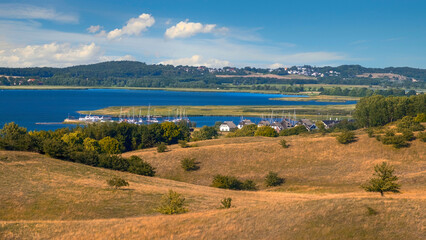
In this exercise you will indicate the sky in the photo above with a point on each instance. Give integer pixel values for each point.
(267, 34)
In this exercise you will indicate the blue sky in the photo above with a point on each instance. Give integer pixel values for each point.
(373, 33)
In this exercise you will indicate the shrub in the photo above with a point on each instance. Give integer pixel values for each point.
(172, 203)
(189, 164)
(183, 143)
(421, 117)
(408, 135)
(162, 147)
(110, 145)
(293, 131)
(117, 182)
(266, 131)
(370, 132)
(283, 143)
(422, 136)
(226, 203)
(346, 137)
(205, 133)
(229, 182)
(140, 167)
(246, 131)
(408, 122)
(398, 141)
(272, 179)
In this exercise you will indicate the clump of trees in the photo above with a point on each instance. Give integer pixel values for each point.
(189, 164)
(383, 180)
(205, 133)
(117, 182)
(293, 131)
(346, 137)
(246, 131)
(172, 203)
(233, 183)
(266, 131)
(378, 110)
(272, 179)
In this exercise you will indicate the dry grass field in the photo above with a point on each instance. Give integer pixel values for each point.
(44, 198)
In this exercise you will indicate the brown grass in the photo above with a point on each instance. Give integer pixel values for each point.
(44, 198)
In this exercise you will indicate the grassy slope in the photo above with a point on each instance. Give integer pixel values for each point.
(41, 195)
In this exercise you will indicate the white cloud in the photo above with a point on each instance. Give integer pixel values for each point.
(197, 60)
(133, 27)
(52, 54)
(187, 29)
(94, 29)
(26, 11)
(276, 65)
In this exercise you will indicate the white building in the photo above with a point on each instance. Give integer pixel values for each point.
(227, 126)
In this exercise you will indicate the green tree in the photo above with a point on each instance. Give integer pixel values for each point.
(14, 137)
(73, 139)
(266, 131)
(91, 144)
(171, 132)
(117, 182)
(138, 166)
(172, 203)
(346, 137)
(205, 133)
(226, 203)
(110, 145)
(383, 180)
(162, 147)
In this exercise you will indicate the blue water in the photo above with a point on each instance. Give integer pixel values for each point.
(27, 107)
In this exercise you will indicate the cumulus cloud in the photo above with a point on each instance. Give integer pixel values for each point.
(133, 27)
(197, 60)
(94, 29)
(26, 11)
(52, 54)
(185, 29)
(276, 65)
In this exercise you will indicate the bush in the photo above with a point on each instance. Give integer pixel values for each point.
(266, 131)
(346, 137)
(205, 133)
(422, 136)
(421, 117)
(229, 182)
(246, 131)
(272, 179)
(408, 122)
(117, 182)
(162, 147)
(140, 167)
(398, 141)
(183, 143)
(293, 131)
(370, 132)
(226, 203)
(172, 203)
(408, 135)
(283, 143)
(189, 164)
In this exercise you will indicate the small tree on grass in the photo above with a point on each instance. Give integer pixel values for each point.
(183, 144)
(272, 179)
(162, 147)
(172, 203)
(346, 137)
(226, 203)
(117, 182)
(283, 143)
(422, 136)
(189, 164)
(383, 180)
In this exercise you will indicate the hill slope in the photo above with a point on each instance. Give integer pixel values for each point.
(47, 198)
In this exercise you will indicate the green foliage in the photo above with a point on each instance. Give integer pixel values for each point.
(91, 144)
(266, 131)
(422, 136)
(283, 143)
(172, 133)
(246, 131)
(397, 141)
(205, 133)
(229, 182)
(370, 132)
(140, 167)
(226, 203)
(346, 137)
(162, 147)
(13, 137)
(109, 145)
(272, 179)
(383, 180)
(189, 164)
(379, 110)
(409, 123)
(293, 131)
(56, 148)
(172, 203)
(183, 144)
(421, 117)
(117, 182)
(408, 135)
(73, 139)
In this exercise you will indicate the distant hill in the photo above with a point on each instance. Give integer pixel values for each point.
(138, 74)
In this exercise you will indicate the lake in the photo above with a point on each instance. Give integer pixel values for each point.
(27, 107)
